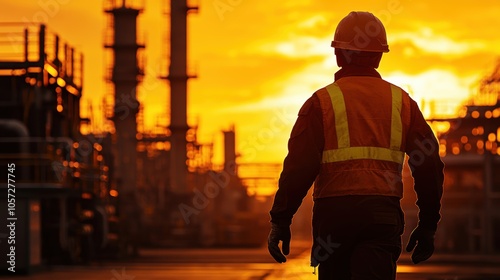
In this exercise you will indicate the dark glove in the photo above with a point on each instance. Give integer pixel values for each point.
(279, 233)
(424, 241)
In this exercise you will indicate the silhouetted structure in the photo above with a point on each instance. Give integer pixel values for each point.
(64, 205)
(182, 199)
(471, 152)
(178, 77)
(125, 76)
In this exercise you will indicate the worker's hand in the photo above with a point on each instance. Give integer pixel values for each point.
(279, 233)
(424, 241)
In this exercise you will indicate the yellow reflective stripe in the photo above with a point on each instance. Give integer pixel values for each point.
(396, 122)
(344, 151)
(350, 153)
(341, 125)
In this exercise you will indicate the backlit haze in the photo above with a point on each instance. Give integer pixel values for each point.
(258, 61)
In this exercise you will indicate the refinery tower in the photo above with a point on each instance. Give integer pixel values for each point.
(157, 192)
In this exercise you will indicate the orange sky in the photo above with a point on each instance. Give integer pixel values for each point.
(258, 61)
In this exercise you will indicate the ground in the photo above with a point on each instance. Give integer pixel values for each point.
(255, 263)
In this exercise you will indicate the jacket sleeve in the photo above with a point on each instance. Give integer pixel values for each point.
(426, 167)
(301, 165)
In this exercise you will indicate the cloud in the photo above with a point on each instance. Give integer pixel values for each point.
(426, 40)
(290, 97)
(313, 22)
(438, 86)
(298, 47)
(293, 90)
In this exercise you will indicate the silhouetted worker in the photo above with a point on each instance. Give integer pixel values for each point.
(350, 139)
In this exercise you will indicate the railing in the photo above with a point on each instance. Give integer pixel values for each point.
(56, 162)
(442, 108)
(130, 4)
(38, 160)
(22, 43)
(261, 179)
(19, 42)
(487, 95)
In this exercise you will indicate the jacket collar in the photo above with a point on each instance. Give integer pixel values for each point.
(353, 70)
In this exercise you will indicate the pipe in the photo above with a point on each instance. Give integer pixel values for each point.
(22, 132)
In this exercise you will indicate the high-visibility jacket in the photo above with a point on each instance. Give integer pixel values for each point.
(365, 120)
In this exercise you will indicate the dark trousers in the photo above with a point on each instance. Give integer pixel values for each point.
(357, 237)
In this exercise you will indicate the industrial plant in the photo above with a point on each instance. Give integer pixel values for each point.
(81, 197)
(103, 195)
(469, 147)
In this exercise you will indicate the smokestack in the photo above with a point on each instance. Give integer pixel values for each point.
(230, 151)
(178, 77)
(125, 77)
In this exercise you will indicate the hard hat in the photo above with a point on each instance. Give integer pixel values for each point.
(361, 31)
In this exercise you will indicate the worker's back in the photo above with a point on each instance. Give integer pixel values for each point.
(350, 139)
(365, 122)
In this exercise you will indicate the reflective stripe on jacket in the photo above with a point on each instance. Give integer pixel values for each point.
(365, 122)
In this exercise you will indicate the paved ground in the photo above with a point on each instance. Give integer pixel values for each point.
(443, 268)
(254, 264)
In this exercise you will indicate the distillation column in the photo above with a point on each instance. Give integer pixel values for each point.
(125, 76)
(178, 78)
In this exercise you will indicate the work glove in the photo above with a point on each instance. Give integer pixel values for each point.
(423, 239)
(279, 233)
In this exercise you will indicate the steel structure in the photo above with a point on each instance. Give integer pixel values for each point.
(125, 75)
(470, 150)
(178, 78)
(64, 203)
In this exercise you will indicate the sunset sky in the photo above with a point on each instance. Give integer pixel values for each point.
(258, 61)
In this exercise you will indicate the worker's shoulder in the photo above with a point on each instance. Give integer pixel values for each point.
(312, 103)
(320, 93)
(309, 106)
(396, 86)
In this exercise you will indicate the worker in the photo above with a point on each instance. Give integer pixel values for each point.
(350, 140)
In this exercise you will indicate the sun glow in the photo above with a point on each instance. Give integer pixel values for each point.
(428, 41)
(261, 60)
